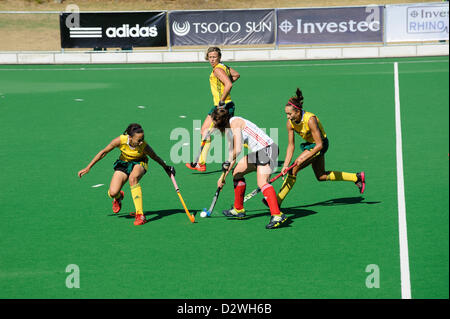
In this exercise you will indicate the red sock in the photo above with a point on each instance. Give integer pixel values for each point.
(271, 198)
(239, 191)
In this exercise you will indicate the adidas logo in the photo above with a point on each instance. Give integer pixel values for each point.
(89, 32)
(134, 32)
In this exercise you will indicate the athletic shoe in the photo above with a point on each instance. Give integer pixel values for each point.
(361, 182)
(140, 220)
(276, 221)
(233, 212)
(198, 167)
(117, 203)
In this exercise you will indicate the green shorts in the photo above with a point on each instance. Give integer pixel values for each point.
(229, 106)
(127, 167)
(309, 146)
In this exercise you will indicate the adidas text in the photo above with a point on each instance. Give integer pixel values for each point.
(134, 32)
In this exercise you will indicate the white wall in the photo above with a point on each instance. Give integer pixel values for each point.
(107, 57)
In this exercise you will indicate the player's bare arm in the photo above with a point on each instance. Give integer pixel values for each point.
(223, 77)
(234, 75)
(150, 152)
(236, 128)
(113, 144)
(305, 156)
(291, 147)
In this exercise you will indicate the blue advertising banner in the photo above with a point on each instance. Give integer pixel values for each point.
(225, 27)
(330, 25)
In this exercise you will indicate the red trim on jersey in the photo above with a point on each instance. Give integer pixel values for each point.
(258, 138)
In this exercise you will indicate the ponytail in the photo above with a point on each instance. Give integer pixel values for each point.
(297, 100)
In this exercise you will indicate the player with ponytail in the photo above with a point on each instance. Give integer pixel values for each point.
(309, 127)
(131, 166)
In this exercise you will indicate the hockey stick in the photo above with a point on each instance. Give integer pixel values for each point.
(256, 191)
(216, 196)
(202, 145)
(191, 217)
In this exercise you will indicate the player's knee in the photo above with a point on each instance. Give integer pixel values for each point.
(262, 183)
(237, 176)
(321, 178)
(133, 180)
(113, 193)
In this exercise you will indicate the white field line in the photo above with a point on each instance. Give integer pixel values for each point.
(402, 229)
(179, 67)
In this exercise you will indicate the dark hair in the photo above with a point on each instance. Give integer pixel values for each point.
(296, 101)
(213, 49)
(221, 118)
(133, 128)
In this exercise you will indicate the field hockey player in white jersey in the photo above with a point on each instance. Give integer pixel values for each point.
(262, 158)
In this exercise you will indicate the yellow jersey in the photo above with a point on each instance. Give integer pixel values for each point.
(303, 128)
(131, 154)
(217, 86)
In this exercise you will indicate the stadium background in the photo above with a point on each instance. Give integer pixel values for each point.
(41, 245)
(31, 32)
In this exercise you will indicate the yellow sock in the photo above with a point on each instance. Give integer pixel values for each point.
(136, 193)
(286, 187)
(115, 197)
(342, 176)
(204, 153)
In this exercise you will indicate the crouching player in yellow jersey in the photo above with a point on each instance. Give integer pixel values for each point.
(308, 126)
(131, 165)
(221, 82)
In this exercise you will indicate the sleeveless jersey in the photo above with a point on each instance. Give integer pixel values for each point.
(217, 86)
(129, 153)
(253, 136)
(303, 128)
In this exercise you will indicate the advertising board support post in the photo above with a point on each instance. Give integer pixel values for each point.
(276, 29)
(384, 25)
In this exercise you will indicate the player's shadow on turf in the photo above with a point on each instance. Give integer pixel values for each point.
(292, 212)
(340, 201)
(332, 202)
(159, 214)
(298, 211)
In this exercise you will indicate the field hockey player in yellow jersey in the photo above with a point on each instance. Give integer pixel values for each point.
(309, 127)
(131, 166)
(221, 82)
